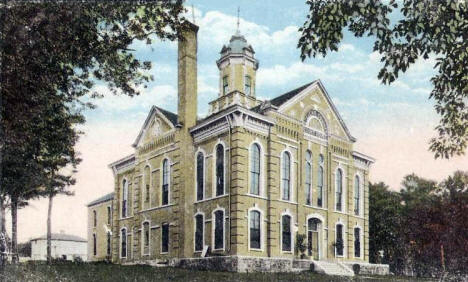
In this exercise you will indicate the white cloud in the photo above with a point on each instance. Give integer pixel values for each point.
(216, 28)
(157, 95)
(346, 47)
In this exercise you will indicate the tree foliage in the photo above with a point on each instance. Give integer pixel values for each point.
(51, 55)
(426, 28)
(422, 229)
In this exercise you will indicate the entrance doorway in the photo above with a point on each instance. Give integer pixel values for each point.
(313, 238)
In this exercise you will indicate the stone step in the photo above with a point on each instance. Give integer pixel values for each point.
(332, 268)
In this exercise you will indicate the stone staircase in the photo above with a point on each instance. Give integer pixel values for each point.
(332, 268)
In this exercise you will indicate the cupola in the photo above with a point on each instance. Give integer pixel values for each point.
(237, 72)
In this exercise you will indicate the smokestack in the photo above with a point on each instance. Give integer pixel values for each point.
(187, 77)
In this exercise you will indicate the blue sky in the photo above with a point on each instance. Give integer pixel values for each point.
(391, 123)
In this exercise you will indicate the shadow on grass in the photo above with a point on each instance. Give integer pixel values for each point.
(68, 271)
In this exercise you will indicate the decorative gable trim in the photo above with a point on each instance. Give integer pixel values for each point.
(306, 91)
(154, 111)
(232, 117)
(123, 164)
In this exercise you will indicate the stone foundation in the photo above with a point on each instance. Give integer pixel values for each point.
(265, 264)
(370, 268)
(236, 264)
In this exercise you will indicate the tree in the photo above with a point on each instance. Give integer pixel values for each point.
(56, 52)
(58, 157)
(384, 227)
(426, 28)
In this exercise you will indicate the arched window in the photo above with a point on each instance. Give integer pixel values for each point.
(219, 170)
(123, 243)
(320, 187)
(165, 183)
(95, 218)
(199, 232)
(248, 85)
(147, 176)
(357, 195)
(286, 233)
(308, 178)
(255, 231)
(109, 243)
(124, 197)
(357, 242)
(339, 189)
(200, 176)
(225, 85)
(255, 169)
(109, 215)
(165, 238)
(219, 230)
(286, 176)
(94, 244)
(339, 243)
(146, 234)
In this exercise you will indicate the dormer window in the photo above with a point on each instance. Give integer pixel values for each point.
(247, 85)
(225, 85)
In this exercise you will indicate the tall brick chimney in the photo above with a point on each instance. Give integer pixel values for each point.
(187, 77)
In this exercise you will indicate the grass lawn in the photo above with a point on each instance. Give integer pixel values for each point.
(110, 272)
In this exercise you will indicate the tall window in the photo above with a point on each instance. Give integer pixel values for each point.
(109, 243)
(147, 176)
(109, 215)
(339, 244)
(357, 195)
(219, 230)
(165, 238)
(308, 178)
(198, 232)
(225, 85)
(219, 170)
(286, 233)
(320, 182)
(94, 218)
(94, 244)
(255, 169)
(248, 85)
(123, 239)
(124, 198)
(255, 230)
(200, 176)
(146, 234)
(286, 176)
(165, 183)
(357, 242)
(339, 189)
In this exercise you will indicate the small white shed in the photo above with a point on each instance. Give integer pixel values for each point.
(63, 245)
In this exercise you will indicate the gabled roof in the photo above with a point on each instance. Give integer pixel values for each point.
(105, 198)
(169, 116)
(61, 237)
(280, 100)
(284, 99)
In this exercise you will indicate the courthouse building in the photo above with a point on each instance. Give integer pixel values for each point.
(244, 181)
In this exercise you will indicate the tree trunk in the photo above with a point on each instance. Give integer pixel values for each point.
(14, 225)
(2, 216)
(49, 230)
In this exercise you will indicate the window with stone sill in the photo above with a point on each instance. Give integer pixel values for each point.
(199, 233)
(255, 235)
(308, 178)
(165, 183)
(255, 169)
(219, 230)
